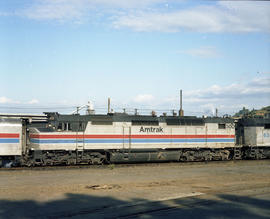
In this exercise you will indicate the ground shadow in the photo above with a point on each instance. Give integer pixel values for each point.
(87, 206)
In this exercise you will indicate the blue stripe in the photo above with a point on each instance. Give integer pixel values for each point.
(53, 141)
(9, 140)
(148, 140)
(220, 140)
(175, 140)
(61, 141)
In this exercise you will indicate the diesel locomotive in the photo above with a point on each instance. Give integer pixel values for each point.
(119, 137)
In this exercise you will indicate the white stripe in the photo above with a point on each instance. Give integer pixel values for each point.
(8, 124)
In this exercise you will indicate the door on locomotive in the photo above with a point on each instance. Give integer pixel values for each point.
(80, 136)
(79, 128)
(126, 137)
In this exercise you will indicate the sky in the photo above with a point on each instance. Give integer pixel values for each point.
(59, 54)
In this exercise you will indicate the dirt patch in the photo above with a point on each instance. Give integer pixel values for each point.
(133, 181)
(102, 187)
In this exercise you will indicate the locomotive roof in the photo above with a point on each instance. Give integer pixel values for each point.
(123, 117)
(254, 121)
(78, 122)
(10, 120)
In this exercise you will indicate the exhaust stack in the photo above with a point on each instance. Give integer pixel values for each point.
(181, 111)
(109, 105)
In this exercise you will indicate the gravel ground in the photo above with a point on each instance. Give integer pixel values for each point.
(134, 190)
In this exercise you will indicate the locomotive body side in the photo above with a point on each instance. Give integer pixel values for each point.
(11, 140)
(125, 135)
(130, 136)
(255, 137)
(53, 140)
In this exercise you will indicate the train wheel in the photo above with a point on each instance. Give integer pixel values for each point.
(97, 158)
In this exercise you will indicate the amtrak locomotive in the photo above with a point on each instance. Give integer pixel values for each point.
(119, 137)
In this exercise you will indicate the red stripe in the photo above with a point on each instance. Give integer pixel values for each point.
(127, 136)
(9, 135)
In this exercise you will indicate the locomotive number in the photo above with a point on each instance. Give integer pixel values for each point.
(230, 125)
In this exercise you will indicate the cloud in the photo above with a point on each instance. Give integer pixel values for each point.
(154, 15)
(78, 10)
(142, 98)
(202, 52)
(253, 94)
(33, 101)
(222, 17)
(60, 10)
(264, 72)
(256, 88)
(5, 100)
(5, 14)
(228, 99)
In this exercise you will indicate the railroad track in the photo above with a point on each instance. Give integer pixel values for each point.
(121, 165)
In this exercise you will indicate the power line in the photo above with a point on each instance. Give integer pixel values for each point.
(12, 107)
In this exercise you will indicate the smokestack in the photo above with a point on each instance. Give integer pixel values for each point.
(216, 112)
(181, 111)
(109, 105)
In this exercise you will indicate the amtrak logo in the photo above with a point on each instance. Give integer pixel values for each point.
(151, 129)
